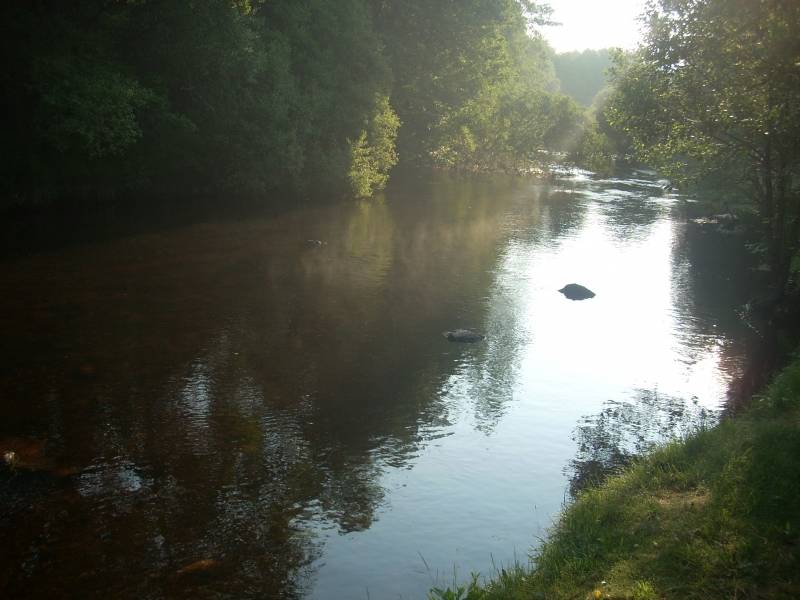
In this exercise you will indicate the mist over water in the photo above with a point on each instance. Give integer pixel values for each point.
(275, 395)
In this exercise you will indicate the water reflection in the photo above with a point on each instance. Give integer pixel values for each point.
(231, 410)
(623, 430)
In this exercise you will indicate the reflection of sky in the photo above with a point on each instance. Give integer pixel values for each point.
(621, 339)
(490, 487)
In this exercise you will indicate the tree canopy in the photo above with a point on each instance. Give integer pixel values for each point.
(295, 97)
(716, 88)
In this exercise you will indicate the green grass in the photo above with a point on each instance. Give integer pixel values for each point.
(715, 516)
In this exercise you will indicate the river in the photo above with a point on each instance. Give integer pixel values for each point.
(274, 396)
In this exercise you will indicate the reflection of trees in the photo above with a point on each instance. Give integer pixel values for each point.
(226, 390)
(489, 372)
(711, 277)
(561, 214)
(711, 281)
(628, 207)
(610, 439)
(628, 217)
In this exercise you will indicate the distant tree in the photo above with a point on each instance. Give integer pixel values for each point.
(583, 74)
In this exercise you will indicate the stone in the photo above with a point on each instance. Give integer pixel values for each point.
(574, 291)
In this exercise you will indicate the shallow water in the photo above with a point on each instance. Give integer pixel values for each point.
(289, 412)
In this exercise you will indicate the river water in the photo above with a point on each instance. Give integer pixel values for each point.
(289, 413)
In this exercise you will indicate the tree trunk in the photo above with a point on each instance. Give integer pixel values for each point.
(773, 211)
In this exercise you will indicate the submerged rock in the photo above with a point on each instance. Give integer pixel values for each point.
(574, 291)
(10, 458)
(24, 453)
(199, 566)
(27, 455)
(467, 336)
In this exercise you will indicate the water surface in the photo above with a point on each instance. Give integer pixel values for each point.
(289, 412)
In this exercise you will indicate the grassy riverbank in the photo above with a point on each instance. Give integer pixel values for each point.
(716, 516)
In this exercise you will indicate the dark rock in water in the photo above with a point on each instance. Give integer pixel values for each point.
(27, 455)
(199, 566)
(573, 291)
(10, 459)
(467, 336)
(24, 453)
(766, 302)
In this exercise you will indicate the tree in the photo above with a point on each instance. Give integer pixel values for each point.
(716, 85)
(473, 84)
(373, 153)
(181, 99)
(268, 98)
(583, 74)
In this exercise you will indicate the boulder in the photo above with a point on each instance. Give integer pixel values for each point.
(574, 291)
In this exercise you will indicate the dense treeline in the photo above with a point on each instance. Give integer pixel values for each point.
(115, 98)
(472, 89)
(714, 94)
(108, 97)
(583, 74)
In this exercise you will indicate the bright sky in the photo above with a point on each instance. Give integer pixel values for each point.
(593, 24)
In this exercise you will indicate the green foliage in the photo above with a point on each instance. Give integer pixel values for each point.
(716, 89)
(114, 99)
(595, 151)
(474, 91)
(373, 154)
(583, 74)
(338, 70)
(471, 591)
(505, 584)
(186, 98)
(89, 107)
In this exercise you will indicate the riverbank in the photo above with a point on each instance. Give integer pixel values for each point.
(715, 516)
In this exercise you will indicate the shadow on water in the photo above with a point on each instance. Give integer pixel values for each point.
(623, 430)
(712, 279)
(718, 279)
